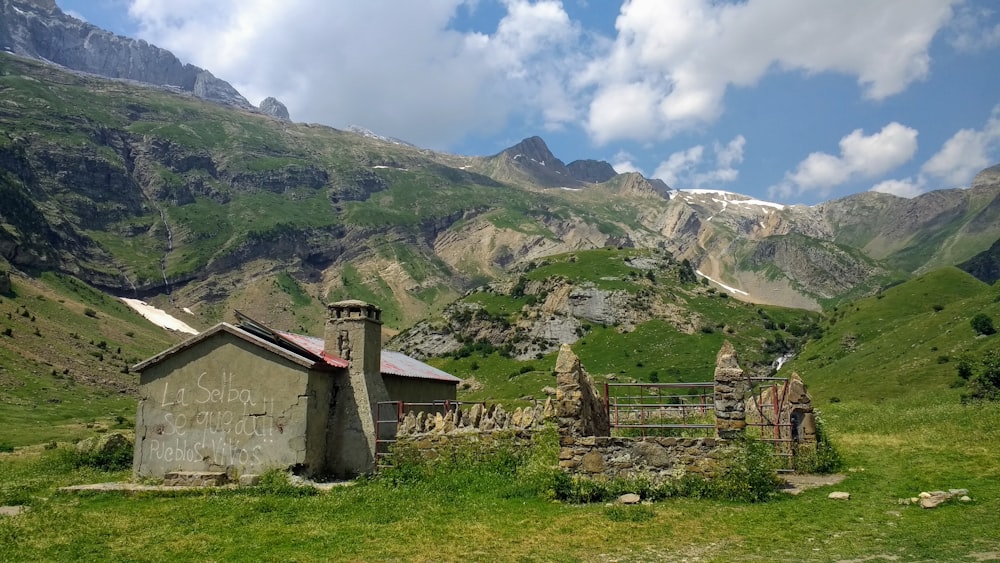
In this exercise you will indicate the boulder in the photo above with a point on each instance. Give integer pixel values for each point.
(629, 498)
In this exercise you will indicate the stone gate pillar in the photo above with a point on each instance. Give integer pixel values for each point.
(730, 393)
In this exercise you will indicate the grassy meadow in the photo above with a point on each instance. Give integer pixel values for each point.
(894, 449)
(883, 375)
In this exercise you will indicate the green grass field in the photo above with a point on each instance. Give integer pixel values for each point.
(883, 375)
(894, 449)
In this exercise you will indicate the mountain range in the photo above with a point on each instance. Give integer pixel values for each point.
(169, 186)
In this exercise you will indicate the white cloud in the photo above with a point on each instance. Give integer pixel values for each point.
(687, 168)
(622, 163)
(967, 152)
(972, 31)
(960, 158)
(402, 69)
(683, 55)
(678, 164)
(732, 153)
(903, 188)
(860, 156)
(397, 68)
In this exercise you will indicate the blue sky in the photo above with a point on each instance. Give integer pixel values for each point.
(796, 101)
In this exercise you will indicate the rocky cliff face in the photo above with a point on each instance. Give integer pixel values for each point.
(40, 30)
(274, 108)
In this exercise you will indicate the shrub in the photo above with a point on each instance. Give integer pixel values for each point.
(824, 458)
(276, 482)
(982, 324)
(748, 475)
(109, 453)
(984, 383)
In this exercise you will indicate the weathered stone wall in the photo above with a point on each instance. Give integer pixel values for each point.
(209, 409)
(586, 448)
(476, 418)
(658, 459)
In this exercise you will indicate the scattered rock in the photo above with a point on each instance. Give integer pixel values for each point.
(629, 498)
(934, 501)
(965, 498)
(106, 444)
(839, 495)
(12, 510)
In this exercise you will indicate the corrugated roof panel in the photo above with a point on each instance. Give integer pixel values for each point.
(393, 363)
(314, 346)
(396, 363)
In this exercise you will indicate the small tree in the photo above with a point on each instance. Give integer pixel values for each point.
(982, 324)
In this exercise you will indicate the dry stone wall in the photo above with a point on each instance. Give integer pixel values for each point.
(587, 449)
(476, 418)
(657, 459)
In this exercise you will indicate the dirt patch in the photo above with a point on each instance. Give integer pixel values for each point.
(796, 483)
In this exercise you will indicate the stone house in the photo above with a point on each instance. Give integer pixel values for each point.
(245, 398)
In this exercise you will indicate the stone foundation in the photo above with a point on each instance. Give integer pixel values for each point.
(657, 459)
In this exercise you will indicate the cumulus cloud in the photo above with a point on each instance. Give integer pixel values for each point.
(903, 188)
(960, 158)
(679, 164)
(861, 156)
(964, 154)
(398, 68)
(622, 162)
(403, 69)
(691, 169)
(675, 60)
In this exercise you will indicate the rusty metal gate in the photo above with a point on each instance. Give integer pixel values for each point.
(769, 419)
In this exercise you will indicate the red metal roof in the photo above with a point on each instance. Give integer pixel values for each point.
(392, 363)
(396, 363)
(312, 345)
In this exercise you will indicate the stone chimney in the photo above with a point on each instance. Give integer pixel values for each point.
(354, 332)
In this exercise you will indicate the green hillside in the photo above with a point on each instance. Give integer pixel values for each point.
(904, 341)
(677, 342)
(65, 349)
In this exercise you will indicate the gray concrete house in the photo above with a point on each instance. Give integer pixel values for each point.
(245, 398)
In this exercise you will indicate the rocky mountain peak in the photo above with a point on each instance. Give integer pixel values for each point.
(39, 30)
(535, 150)
(274, 108)
(48, 5)
(593, 171)
(988, 177)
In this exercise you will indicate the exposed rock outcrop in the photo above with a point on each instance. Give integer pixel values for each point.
(274, 108)
(593, 171)
(40, 30)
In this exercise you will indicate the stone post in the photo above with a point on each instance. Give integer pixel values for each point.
(730, 391)
(579, 408)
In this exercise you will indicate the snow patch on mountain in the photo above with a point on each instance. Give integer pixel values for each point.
(731, 197)
(158, 317)
(722, 285)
